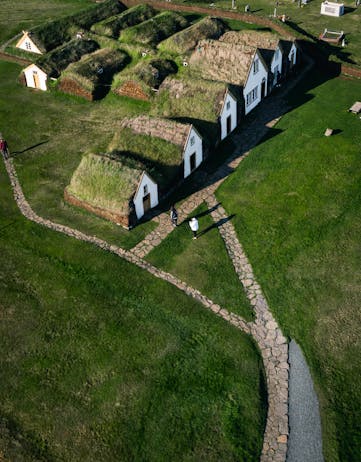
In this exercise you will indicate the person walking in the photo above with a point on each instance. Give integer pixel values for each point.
(4, 147)
(174, 215)
(194, 226)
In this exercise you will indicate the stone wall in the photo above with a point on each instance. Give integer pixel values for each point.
(73, 88)
(122, 220)
(132, 89)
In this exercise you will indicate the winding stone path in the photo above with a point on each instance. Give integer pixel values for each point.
(264, 330)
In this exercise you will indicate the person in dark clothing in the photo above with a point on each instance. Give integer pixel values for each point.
(174, 215)
(4, 147)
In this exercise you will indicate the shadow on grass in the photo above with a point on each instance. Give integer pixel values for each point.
(217, 224)
(29, 148)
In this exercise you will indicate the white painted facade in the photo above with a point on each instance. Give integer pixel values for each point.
(146, 186)
(229, 110)
(276, 64)
(255, 88)
(35, 77)
(26, 44)
(193, 152)
(332, 9)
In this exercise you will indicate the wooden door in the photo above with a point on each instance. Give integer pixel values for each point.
(146, 202)
(36, 80)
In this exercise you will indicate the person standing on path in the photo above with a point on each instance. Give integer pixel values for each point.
(4, 147)
(174, 215)
(194, 225)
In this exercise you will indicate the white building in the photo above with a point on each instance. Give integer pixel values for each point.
(35, 77)
(228, 114)
(256, 82)
(146, 195)
(332, 9)
(27, 43)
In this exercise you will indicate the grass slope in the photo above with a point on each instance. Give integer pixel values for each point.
(297, 206)
(48, 132)
(102, 361)
(17, 16)
(203, 263)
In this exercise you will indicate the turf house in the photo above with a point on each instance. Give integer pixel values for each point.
(147, 158)
(214, 106)
(117, 189)
(234, 64)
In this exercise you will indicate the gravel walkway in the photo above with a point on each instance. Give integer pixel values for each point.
(305, 439)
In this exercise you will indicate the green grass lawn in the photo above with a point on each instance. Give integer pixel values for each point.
(203, 263)
(17, 16)
(102, 361)
(48, 132)
(297, 206)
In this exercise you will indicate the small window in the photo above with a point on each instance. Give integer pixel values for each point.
(228, 105)
(28, 45)
(145, 190)
(255, 66)
(35, 72)
(192, 140)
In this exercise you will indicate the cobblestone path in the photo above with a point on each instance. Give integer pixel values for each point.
(267, 334)
(264, 330)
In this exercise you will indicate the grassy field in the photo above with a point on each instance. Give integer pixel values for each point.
(203, 263)
(17, 16)
(297, 206)
(48, 132)
(102, 361)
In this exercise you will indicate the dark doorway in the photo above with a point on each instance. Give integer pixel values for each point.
(263, 89)
(192, 161)
(229, 124)
(146, 202)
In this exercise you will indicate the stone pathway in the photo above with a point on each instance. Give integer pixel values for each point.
(264, 330)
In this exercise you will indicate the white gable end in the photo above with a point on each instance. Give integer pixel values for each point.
(146, 196)
(35, 77)
(228, 116)
(26, 44)
(255, 88)
(193, 152)
(276, 64)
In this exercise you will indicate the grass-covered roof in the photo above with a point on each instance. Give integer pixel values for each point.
(112, 26)
(58, 59)
(252, 38)
(193, 99)
(154, 30)
(223, 61)
(96, 68)
(147, 74)
(154, 142)
(54, 33)
(105, 182)
(187, 39)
